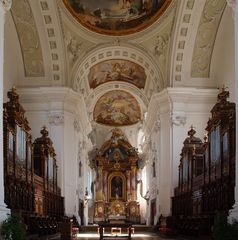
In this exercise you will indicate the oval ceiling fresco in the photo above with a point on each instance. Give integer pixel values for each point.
(116, 17)
(117, 108)
(117, 70)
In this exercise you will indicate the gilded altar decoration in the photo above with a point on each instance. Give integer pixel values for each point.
(116, 188)
(117, 108)
(117, 17)
(117, 70)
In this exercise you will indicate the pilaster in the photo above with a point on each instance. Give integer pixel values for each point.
(5, 5)
(234, 5)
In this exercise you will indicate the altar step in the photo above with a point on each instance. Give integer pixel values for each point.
(137, 228)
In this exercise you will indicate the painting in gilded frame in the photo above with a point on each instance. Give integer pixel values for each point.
(117, 108)
(116, 17)
(117, 70)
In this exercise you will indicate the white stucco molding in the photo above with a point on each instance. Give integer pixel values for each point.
(77, 127)
(178, 118)
(179, 102)
(54, 101)
(6, 4)
(234, 6)
(157, 124)
(129, 52)
(94, 96)
(56, 118)
(232, 3)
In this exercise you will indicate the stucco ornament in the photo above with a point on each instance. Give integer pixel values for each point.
(6, 4)
(178, 118)
(56, 119)
(73, 47)
(29, 38)
(231, 3)
(157, 124)
(205, 38)
(77, 125)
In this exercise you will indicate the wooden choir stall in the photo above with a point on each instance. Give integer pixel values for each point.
(30, 171)
(116, 183)
(206, 172)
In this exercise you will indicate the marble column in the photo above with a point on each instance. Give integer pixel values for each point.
(5, 5)
(234, 5)
(128, 185)
(99, 184)
(105, 189)
(133, 183)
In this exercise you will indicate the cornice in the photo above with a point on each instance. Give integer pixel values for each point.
(168, 100)
(192, 95)
(56, 101)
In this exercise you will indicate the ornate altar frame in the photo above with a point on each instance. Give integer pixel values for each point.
(110, 178)
(116, 159)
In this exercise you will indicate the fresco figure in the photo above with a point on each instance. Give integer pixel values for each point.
(116, 186)
(119, 17)
(117, 70)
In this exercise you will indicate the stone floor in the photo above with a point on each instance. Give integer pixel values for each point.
(138, 236)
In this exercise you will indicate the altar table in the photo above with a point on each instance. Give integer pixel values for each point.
(103, 225)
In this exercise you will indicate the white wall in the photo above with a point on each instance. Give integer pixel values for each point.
(59, 109)
(223, 58)
(13, 64)
(170, 116)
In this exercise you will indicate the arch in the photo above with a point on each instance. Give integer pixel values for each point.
(117, 51)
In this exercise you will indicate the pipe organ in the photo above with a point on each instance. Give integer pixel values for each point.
(30, 169)
(207, 171)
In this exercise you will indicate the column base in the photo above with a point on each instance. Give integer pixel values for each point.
(4, 211)
(233, 213)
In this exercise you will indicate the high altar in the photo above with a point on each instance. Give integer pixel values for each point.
(116, 183)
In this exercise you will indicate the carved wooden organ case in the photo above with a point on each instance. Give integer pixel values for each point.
(18, 163)
(47, 193)
(116, 184)
(207, 170)
(190, 175)
(219, 156)
(30, 170)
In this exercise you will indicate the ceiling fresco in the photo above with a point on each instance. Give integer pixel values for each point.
(116, 17)
(117, 70)
(117, 108)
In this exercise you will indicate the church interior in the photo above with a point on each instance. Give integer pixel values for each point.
(118, 114)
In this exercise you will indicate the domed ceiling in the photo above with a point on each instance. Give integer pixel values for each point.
(116, 17)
